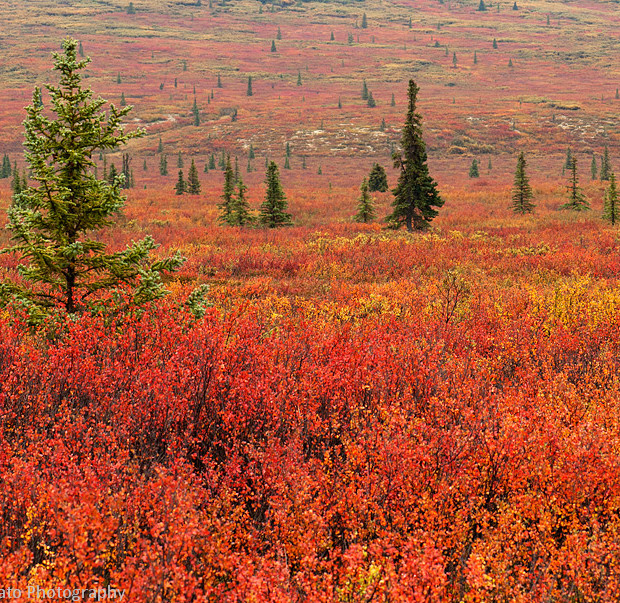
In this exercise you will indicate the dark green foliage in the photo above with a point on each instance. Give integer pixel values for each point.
(287, 165)
(382, 126)
(415, 196)
(364, 91)
(196, 113)
(303, 163)
(611, 209)
(371, 100)
(568, 162)
(474, 171)
(118, 78)
(377, 179)
(184, 65)
(131, 9)
(273, 210)
(364, 21)
(113, 175)
(454, 59)
(331, 37)
(494, 43)
(144, 166)
(241, 215)
(160, 146)
(393, 101)
(5, 170)
(482, 6)
(515, 7)
(126, 171)
(193, 184)
(123, 102)
(475, 57)
(605, 172)
(319, 171)
(365, 207)
(593, 168)
(273, 46)
(81, 50)
(279, 34)
(249, 91)
(180, 161)
(212, 161)
(163, 165)
(576, 199)
(522, 196)
(288, 149)
(51, 223)
(510, 65)
(299, 82)
(350, 39)
(227, 204)
(181, 186)
(219, 82)
(490, 165)
(251, 153)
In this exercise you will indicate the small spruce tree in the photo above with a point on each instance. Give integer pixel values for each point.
(365, 207)
(273, 46)
(241, 215)
(371, 100)
(593, 168)
(249, 91)
(193, 184)
(163, 165)
(377, 179)
(181, 186)
(227, 204)
(364, 21)
(196, 113)
(273, 210)
(522, 196)
(474, 171)
(576, 199)
(606, 170)
(611, 209)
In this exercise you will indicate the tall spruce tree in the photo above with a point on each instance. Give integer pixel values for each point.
(611, 209)
(228, 196)
(196, 113)
(365, 207)
(64, 267)
(163, 165)
(593, 168)
(576, 199)
(273, 210)
(522, 196)
(249, 91)
(193, 184)
(415, 196)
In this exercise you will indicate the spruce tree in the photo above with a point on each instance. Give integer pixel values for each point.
(611, 209)
(273, 46)
(415, 196)
(181, 186)
(249, 90)
(364, 91)
(605, 172)
(299, 82)
(365, 208)
(126, 171)
(279, 34)
(227, 204)
(163, 165)
(494, 43)
(568, 162)
(482, 6)
(474, 171)
(212, 161)
(522, 196)
(377, 179)
(196, 113)
(180, 161)
(593, 168)
(475, 57)
(576, 199)
(393, 101)
(272, 211)
(160, 146)
(193, 184)
(331, 37)
(81, 50)
(123, 102)
(251, 154)
(219, 82)
(364, 21)
(371, 100)
(64, 267)
(240, 207)
(287, 165)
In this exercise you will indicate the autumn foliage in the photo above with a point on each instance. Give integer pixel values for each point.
(361, 416)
